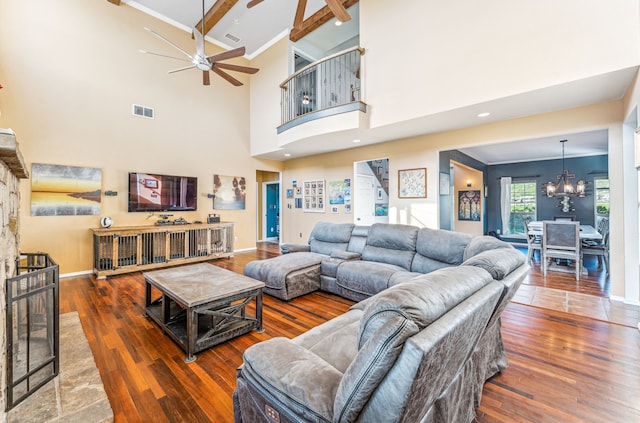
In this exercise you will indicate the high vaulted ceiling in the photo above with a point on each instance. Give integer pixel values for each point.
(231, 24)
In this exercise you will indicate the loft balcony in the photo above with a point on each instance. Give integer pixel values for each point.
(328, 87)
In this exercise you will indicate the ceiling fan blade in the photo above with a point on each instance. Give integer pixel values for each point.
(182, 69)
(253, 3)
(170, 43)
(164, 55)
(338, 10)
(229, 54)
(237, 68)
(226, 76)
(205, 78)
(199, 42)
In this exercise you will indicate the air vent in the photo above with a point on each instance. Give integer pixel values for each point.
(142, 111)
(232, 37)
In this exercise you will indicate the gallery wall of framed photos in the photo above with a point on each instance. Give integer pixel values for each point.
(313, 196)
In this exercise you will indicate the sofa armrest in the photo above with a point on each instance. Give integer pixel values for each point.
(294, 248)
(292, 375)
(346, 255)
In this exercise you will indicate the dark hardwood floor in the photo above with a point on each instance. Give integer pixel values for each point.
(596, 282)
(563, 367)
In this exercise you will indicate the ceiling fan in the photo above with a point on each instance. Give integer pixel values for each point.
(336, 7)
(206, 63)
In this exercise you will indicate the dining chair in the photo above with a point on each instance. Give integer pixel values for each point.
(534, 242)
(599, 249)
(561, 240)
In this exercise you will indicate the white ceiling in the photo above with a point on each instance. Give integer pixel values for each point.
(261, 26)
(577, 145)
(257, 28)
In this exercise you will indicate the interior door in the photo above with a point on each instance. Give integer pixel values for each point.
(364, 206)
(272, 211)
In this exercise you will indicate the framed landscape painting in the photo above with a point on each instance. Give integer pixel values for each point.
(65, 190)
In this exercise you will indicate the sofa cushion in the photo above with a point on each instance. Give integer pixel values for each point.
(499, 262)
(335, 340)
(329, 237)
(365, 277)
(424, 298)
(358, 239)
(436, 245)
(479, 244)
(281, 367)
(371, 365)
(393, 244)
(274, 271)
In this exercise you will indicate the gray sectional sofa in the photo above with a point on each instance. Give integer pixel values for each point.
(419, 345)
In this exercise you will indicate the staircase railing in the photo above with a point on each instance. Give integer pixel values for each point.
(323, 88)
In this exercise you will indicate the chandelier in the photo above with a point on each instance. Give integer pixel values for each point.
(564, 188)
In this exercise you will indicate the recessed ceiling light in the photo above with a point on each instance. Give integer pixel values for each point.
(287, 155)
(356, 140)
(338, 23)
(484, 114)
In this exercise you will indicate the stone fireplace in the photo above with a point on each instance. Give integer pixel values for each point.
(12, 169)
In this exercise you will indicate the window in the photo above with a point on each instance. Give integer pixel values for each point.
(523, 205)
(601, 198)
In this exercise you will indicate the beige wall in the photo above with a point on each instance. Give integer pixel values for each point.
(422, 151)
(68, 92)
(459, 53)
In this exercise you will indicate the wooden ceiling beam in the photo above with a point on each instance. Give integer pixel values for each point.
(213, 16)
(116, 2)
(315, 21)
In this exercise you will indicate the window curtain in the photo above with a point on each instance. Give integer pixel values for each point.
(505, 202)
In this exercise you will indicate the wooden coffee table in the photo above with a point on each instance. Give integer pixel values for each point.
(202, 305)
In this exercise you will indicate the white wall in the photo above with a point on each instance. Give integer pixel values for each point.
(626, 257)
(444, 55)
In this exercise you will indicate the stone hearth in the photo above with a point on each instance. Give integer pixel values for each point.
(77, 393)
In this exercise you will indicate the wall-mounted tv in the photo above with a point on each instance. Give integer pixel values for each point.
(150, 192)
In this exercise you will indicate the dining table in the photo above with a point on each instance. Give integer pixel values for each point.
(586, 231)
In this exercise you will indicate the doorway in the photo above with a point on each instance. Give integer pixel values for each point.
(371, 192)
(268, 210)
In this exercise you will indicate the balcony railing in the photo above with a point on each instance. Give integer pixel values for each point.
(327, 87)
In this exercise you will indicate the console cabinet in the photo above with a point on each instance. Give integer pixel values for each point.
(129, 249)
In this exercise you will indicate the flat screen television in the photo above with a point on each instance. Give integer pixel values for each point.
(150, 192)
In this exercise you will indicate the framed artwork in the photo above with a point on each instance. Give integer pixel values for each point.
(337, 192)
(445, 183)
(230, 192)
(412, 183)
(65, 190)
(382, 209)
(313, 194)
(469, 205)
(290, 193)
